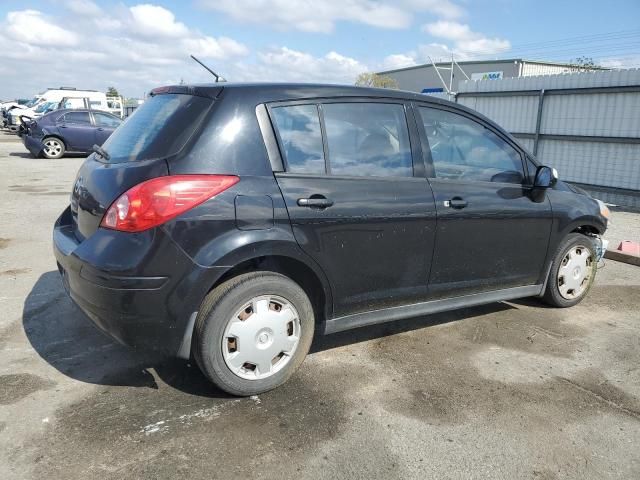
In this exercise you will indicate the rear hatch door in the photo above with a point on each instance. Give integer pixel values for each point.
(137, 151)
(98, 184)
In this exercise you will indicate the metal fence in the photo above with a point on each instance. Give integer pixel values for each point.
(587, 125)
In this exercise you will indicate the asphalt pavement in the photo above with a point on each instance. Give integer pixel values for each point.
(508, 390)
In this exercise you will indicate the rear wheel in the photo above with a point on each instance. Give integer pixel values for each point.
(53, 147)
(572, 272)
(253, 332)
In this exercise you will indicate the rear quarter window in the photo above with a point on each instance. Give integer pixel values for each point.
(159, 128)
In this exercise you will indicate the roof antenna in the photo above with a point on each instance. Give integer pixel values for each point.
(218, 77)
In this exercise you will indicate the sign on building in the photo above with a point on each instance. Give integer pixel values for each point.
(487, 76)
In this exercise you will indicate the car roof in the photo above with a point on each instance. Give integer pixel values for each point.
(265, 92)
(296, 91)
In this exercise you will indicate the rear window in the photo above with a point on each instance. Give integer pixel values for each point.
(159, 128)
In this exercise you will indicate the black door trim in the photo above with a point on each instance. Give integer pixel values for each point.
(356, 320)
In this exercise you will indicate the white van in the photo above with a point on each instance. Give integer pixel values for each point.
(72, 97)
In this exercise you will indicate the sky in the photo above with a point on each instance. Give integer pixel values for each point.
(135, 46)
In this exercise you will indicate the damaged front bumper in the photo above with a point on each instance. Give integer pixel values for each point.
(601, 247)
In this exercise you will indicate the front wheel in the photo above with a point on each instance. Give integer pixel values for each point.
(572, 272)
(53, 148)
(252, 332)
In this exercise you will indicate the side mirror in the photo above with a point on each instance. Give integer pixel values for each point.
(546, 177)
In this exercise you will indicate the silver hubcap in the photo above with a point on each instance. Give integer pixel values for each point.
(261, 337)
(575, 272)
(52, 147)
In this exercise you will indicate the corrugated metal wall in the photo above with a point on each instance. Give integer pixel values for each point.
(530, 69)
(575, 108)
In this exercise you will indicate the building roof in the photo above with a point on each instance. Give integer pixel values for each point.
(477, 62)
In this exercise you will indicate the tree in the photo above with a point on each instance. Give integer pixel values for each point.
(583, 64)
(112, 92)
(368, 79)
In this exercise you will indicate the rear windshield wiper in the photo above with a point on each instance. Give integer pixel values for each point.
(101, 151)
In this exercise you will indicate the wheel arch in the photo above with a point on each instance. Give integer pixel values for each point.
(588, 224)
(310, 279)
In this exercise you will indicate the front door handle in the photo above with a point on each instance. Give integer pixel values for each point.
(315, 202)
(456, 202)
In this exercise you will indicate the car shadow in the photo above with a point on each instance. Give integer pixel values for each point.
(532, 302)
(21, 154)
(326, 342)
(66, 339)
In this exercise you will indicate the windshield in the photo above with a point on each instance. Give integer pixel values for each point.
(159, 128)
(43, 107)
(32, 102)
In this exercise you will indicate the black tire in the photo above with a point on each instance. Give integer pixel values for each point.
(217, 309)
(552, 294)
(53, 153)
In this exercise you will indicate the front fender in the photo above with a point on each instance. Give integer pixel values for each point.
(594, 221)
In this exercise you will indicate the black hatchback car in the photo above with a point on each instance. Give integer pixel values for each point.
(229, 223)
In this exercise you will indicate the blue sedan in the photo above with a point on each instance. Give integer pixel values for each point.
(68, 131)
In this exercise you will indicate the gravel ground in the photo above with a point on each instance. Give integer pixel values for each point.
(624, 226)
(508, 390)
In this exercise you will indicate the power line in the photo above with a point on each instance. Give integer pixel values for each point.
(601, 39)
(578, 46)
(596, 36)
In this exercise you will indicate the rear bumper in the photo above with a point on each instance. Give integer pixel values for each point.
(34, 145)
(140, 289)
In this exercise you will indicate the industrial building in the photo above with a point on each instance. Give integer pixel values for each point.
(425, 79)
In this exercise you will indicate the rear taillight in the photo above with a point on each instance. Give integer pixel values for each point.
(158, 200)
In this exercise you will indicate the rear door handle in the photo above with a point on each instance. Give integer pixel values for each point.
(315, 202)
(455, 202)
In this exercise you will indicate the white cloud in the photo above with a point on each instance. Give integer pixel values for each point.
(137, 48)
(209, 47)
(31, 27)
(437, 51)
(287, 65)
(399, 60)
(134, 49)
(466, 43)
(85, 8)
(321, 16)
(631, 61)
(154, 20)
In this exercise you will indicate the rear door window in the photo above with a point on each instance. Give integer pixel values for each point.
(159, 128)
(75, 118)
(300, 138)
(368, 139)
(107, 121)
